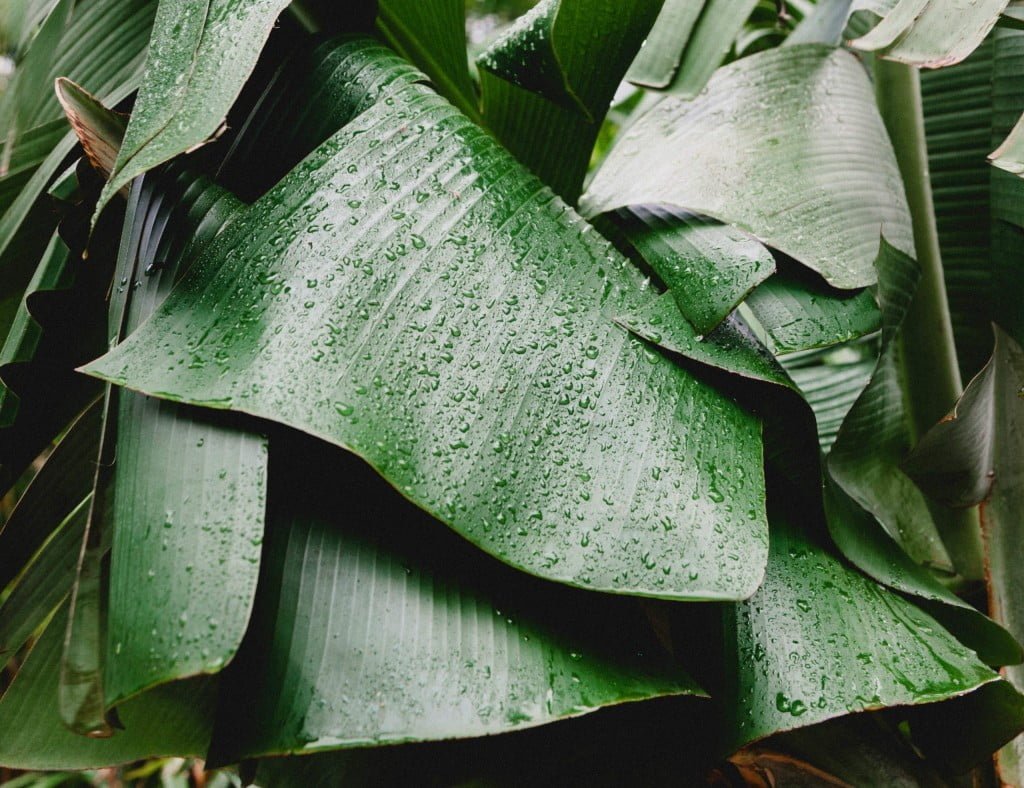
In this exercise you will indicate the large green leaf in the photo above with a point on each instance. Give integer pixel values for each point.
(375, 626)
(787, 145)
(977, 456)
(819, 641)
(708, 268)
(199, 57)
(189, 489)
(931, 33)
(547, 82)
(172, 720)
(498, 385)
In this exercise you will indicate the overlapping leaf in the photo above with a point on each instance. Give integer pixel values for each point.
(189, 489)
(708, 268)
(786, 668)
(376, 626)
(499, 395)
(787, 145)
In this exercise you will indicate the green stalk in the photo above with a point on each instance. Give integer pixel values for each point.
(931, 379)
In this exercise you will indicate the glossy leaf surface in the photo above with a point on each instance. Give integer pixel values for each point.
(741, 153)
(189, 489)
(800, 313)
(789, 673)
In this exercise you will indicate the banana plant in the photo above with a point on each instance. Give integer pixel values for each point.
(592, 412)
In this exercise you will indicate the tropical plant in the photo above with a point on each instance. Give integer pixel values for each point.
(357, 395)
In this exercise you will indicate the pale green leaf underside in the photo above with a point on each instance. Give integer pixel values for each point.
(498, 384)
(932, 33)
(786, 145)
(199, 57)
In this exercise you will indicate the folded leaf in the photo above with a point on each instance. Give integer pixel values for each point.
(931, 33)
(498, 383)
(800, 313)
(375, 626)
(876, 434)
(189, 488)
(819, 641)
(785, 144)
(708, 268)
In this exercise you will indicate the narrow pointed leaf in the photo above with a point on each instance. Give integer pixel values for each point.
(44, 583)
(59, 486)
(99, 129)
(189, 489)
(739, 153)
(656, 64)
(719, 23)
(173, 720)
(377, 626)
(546, 83)
(432, 34)
(492, 303)
(200, 55)
(708, 268)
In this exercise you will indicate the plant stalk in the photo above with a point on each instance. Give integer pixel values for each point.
(931, 380)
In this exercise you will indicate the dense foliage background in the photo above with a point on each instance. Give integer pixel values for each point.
(405, 373)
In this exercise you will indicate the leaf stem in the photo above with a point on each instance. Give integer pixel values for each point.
(931, 379)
